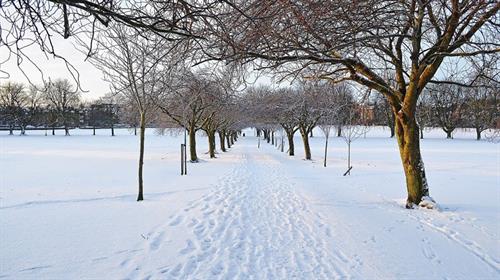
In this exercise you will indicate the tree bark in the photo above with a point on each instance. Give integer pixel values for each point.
(192, 144)
(421, 133)
(228, 140)
(305, 140)
(211, 143)
(478, 134)
(222, 141)
(393, 132)
(291, 146)
(326, 148)
(112, 130)
(448, 133)
(93, 131)
(339, 131)
(140, 195)
(11, 130)
(407, 133)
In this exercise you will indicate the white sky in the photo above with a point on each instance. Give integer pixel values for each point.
(90, 77)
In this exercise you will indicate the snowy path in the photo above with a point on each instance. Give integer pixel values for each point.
(253, 225)
(249, 214)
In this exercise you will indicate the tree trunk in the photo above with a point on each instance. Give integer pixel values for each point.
(211, 143)
(135, 130)
(93, 133)
(272, 138)
(326, 147)
(192, 144)
(421, 133)
(53, 131)
(222, 141)
(448, 133)
(311, 134)
(305, 140)
(112, 130)
(393, 132)
(140, 195)
(23, 130)
(11, 130)
(478, 134)
(349, 157)
(339, 131)
(407, 133)
(228, 140)
(291, 146)
(66, 130)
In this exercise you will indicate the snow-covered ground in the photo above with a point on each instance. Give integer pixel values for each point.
(68, 210)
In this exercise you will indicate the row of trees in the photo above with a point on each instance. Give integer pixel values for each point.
(55, 105)
(397, 48)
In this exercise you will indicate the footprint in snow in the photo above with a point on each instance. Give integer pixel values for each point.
(176, 221)
(189, 247)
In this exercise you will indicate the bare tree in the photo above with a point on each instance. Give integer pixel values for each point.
(349, 40)
(185, 103)
(63, 100)
(135, 67)
(32, 108)
(12, 102)
(448, 102)
(354, 129)
(333, 106)
(482, 98)
(309, 112)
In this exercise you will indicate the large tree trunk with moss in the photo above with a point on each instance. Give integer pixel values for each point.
(142, 131)
(192, 144)
(305, 140)
(407, 133)
(222, 140)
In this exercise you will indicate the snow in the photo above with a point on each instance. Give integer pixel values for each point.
(68, 210)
